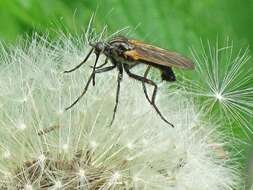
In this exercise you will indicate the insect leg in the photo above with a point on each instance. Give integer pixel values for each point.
(152, 102)
(148, 81)
(88, 83)
(93, 71)
(98, 67)
(120, 75)
(144, 86)
(80, 64)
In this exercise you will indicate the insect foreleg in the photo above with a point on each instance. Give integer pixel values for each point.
(148, 81)
(98, 67)
(79, 65)
(119, 79)
(88, 83)
(94, 68)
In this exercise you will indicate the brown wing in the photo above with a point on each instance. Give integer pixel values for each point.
(152, 54)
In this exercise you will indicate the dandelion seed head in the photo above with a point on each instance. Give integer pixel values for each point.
(139, 151)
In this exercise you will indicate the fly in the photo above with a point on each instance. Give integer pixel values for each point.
(124, 54)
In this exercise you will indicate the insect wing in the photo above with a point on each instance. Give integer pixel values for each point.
(156, 55)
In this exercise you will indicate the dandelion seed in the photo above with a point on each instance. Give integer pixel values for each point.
(224, 80)
(41, 158)
(114, 178)
(60, 112)
(130, 145)
(21, 126)
(65, 147)
(93, 145)
(219, 96)
(81, 173)
(7, 154)
(144, 141)
(57, 185)
(28, 187)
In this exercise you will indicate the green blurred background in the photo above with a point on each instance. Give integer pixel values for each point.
(172, 24)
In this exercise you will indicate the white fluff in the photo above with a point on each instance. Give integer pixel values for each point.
(139, 151)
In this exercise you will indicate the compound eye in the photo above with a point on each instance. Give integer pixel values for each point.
(100, 46)
(123, 47)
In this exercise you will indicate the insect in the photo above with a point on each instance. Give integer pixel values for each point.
(124, 54)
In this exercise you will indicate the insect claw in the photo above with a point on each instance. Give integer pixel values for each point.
(171, 125)
(66, 72)
(163, 118)
(67, 108)
(111, 122)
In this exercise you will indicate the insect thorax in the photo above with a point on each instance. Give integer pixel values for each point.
(116, 49)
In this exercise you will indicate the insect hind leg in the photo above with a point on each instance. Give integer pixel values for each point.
(144, 86)
(144, 81)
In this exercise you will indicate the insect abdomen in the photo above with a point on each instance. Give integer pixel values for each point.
(168, 74)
